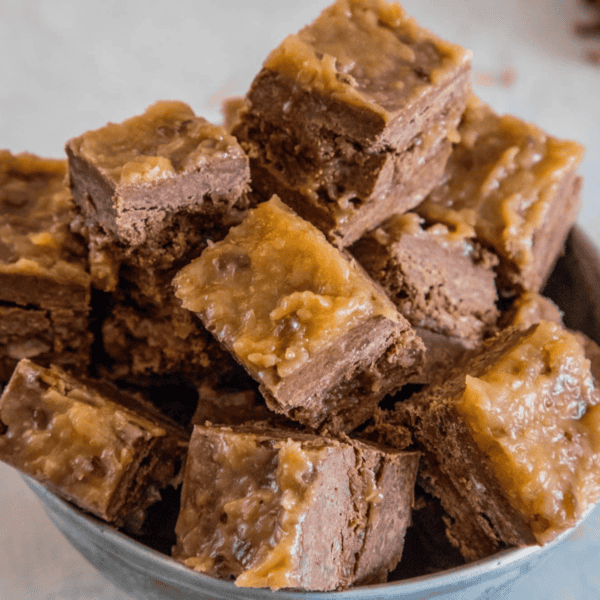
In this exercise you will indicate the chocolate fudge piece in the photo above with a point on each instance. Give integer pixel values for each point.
(44, 284)
(322, 339)
(528, 309)
(130, 178)
(160, 340)
(222, 404)
(509, 447)
(442, 282)
(42, 263)
(279, 509)
(106, 452)
(439, 280)
(345, 220)
(59, 337)
(513, 187)
(344, 112)
(152, 188)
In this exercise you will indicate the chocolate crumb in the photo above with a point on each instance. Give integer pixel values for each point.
(506, 78)
(590, 29)
(593, 56)
(587, 29)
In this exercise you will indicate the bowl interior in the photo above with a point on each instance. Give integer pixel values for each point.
(147, 574)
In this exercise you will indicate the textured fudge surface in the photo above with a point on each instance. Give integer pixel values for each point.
(512, 438)
(351, 119)
(296, 313)
(514, 187)
(365, 59)
(133, 178)
(59, 337)
(439, 281)
(531, 308)
(344, 195)
(41, 262)
(106, 452)
(442, 353)
(270, 508)
(528, 309)
(160, 341)
(235, 402)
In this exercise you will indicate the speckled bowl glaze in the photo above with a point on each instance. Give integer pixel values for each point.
(146, 574)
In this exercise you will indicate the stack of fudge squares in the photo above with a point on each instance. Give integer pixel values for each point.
(321, 324)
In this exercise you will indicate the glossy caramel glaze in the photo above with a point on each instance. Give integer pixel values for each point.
(36, 210)
(367, 53)
(166, 140)
(536, 414)
(501, 181)
(70, 437)
(277, 292)
(257, 502)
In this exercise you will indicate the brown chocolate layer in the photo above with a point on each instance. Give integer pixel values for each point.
(309, 512)
(160, 340)
(108, 453)
(133, 179)
(438, 281)
(59, 337)
(401, 185)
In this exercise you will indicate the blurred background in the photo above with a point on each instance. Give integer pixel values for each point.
(68, 67)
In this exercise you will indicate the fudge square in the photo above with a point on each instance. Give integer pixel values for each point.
(319, 335)
(42, 263)
(270, 508)
(44, 283)
(108, 453)
(510, 442)
(146, 341)
(515, 187)
(59, 337)
(149, 186)
(353, 117)
(438, 279)
(442, 282)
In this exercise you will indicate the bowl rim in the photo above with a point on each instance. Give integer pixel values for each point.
(178, 574)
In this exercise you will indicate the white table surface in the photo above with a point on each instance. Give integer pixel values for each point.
(66, 67)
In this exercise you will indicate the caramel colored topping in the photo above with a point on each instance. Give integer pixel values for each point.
(168, 139)
(501, 181)
(261, 491)
(70, 437)
(35, 213)
(296, 467)
(368, 53)
(411, 224)
(531, 308)
(536, 415)
(277, 291)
